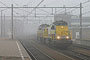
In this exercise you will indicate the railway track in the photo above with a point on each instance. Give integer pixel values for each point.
(74, 53)
(48, 53)
(63, 56)
(80, 54)
(83, 50)
(81, 46)
(35, 53)
(38, 52)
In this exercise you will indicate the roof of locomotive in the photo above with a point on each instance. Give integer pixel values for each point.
(43, 26)
(60, 23)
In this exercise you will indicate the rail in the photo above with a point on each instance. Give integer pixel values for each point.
(35, 53)
(30, 54)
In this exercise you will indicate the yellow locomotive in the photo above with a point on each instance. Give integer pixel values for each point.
(56, 34)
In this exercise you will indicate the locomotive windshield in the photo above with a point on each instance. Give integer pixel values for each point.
(60, 23)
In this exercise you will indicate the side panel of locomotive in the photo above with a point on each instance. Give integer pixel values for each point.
(42, 33)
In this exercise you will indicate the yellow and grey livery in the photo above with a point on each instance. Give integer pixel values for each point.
(56, 34)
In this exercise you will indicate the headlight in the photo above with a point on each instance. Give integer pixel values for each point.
(58, 37)
(67, 37)
(62, 27)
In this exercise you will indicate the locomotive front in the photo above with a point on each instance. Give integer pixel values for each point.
(62, 34)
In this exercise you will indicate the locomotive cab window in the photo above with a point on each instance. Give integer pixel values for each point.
(53, 27)
(62, 23)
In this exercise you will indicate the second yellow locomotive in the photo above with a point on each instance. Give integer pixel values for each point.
(56, 34)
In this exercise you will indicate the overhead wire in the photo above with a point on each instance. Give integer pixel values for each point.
(33, 13)
(86, 13)
(35, 8)
(45, 11)
(75, 6)
(3, 4)
(19, 9)
(7, 8)
(79, 5)
(24, 11)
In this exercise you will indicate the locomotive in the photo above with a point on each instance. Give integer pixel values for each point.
(56, 34)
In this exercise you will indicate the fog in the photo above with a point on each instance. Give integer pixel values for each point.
(27, 25)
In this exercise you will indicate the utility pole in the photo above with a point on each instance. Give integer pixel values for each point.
(80, 21)
(55, 11)
(12, 21)
(65, 9)
(1, 23)
(52, 11)
(4, 25)
(35, 12)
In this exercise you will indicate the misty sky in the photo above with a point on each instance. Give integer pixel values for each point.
(28, 28)
(46, 2)
(57, 3)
